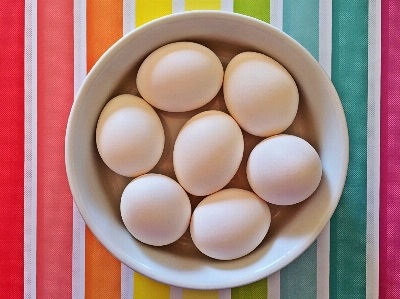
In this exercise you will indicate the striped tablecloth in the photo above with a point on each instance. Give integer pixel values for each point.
(46, 49)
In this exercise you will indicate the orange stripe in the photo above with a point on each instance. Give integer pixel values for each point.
(103, 28)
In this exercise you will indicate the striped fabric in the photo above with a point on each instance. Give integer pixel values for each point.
(47, 48)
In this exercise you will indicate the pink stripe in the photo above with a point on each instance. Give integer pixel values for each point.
(389, 278)
(55, 96)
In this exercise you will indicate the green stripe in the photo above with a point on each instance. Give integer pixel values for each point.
(256, 290)
(259, 9)
(350, 77)
(301, 21)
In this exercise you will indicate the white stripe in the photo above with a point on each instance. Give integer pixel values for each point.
(78, 224)
(227, 5)
(129, 23)
(325, 54)
(30, 151)
(325, 34)
(178, 6)
(224, 294)
(175, 292)
(276, 13)
(373, 149)
(126, 282)
(79, 44)
(78, 254)
(274, 285)
(129, 15)
(276, 20)
(323, 247)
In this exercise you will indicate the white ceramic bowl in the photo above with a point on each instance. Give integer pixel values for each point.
(97, 190)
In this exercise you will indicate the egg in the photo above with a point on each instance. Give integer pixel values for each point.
(155, 209)
(260, 94)
(129, 136)
(284, 169)
(207, 152)
(230, 223)
(180, 76)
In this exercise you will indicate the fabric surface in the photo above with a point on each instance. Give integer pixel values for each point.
(389, 280)
(48, 47)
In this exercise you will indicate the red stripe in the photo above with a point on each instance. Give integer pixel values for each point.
(55, 96)
(389, 245)
(12, 148)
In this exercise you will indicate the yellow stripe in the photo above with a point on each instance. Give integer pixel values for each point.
(202, 4)
(197, 5)
(196, 294)
(147, 10)
(145, 288)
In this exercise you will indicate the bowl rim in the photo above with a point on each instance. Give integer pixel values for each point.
(91, 77)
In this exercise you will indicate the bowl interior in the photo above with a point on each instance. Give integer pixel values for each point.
(97, 190)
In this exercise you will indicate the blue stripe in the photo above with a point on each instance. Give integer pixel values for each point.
(301, 21)
(350, 77)
(299, 279)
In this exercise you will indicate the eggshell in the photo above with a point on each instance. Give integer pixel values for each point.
(129, 136)
(155, 209)
(260, 94)
(180, 76)
(207, 152)
(230, 223)
(284, 169)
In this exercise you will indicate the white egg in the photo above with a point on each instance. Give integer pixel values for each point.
(180, 76)
(207, 152)
(230, 223)
(260, 94)
(284, 169)
(129, 136)
(155, 209)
